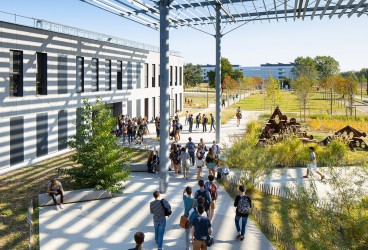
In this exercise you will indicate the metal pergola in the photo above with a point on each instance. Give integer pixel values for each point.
(202, 15)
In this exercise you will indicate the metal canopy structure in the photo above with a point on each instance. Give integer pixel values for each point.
(203, 15)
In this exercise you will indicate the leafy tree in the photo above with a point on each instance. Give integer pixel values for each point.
(364, 74)
(303, 87)
(237, 75)
(351, 85)
(102, 161)
(272, 90)
(192, 74)
(305, 67)
(226, 70)
(229, 85)
(326, 66)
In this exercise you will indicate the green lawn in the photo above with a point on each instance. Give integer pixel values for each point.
(20, 186)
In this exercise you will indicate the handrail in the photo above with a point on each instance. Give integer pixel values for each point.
(69, 30)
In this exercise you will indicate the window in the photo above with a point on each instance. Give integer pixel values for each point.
(80, 75)
(181, 76)
(16, 73)
(94, 68)
(171, 75)
(153, 75)
(146, 70)
(176, 75)
(41, 75)
(119, 75)
(107, 75)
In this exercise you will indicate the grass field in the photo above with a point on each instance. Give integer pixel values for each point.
(198, 100)
(20, 186)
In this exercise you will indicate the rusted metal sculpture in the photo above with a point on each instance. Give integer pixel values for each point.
(353, 137)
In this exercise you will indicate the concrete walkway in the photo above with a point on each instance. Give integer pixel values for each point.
(111, 223)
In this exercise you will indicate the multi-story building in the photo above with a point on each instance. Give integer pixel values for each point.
(47, 69)
(278, 70)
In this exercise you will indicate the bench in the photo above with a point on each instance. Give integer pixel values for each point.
(138, 167)
(74, 196)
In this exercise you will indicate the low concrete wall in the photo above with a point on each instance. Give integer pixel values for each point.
(138, 167)
(74, 196)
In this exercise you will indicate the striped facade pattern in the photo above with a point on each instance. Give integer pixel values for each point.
(33, 126)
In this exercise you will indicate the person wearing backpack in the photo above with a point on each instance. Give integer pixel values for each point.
(159, 209)
(205, 194)
(204, 124)
(189, 204)
(243, 205)
(198, 120)
(191, 150)
(190, 121)
(211, 187)
(212, 123)
(238, 117)
(201, 229)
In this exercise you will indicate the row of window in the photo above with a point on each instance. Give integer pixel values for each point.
(16, 74)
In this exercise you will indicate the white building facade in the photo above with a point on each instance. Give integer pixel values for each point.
(45, 75)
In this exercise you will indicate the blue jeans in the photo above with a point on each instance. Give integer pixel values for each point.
(159, 232)
(130, 137)
(124, 138)
(192, 156)
(244, 223)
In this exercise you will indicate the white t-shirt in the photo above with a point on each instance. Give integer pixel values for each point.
(192, 210)
(184, 156)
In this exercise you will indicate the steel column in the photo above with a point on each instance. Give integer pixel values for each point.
(218, 73)
(164, 96)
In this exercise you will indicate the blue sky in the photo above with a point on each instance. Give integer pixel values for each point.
(345, 39)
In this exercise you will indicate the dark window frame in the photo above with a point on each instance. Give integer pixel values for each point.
(107, 74)
(96, 86)
(41, 73)
(119, 75)
(79, 74)
(16, 87)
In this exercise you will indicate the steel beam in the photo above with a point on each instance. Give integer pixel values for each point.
(346, 7)
(356, 7)
(164, 95)
(218, 73)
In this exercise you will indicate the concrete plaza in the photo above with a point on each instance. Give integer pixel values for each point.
(111, 223)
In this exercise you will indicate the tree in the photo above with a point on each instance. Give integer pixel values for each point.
(326, 66)
(364, 73)
(102, 161)
(192, 74)
(229, 85)
(305, 67)
(351, 85)
(226, 70)
(272, 90)
(237, 75)
(302, 87)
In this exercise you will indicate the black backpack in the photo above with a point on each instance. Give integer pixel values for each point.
(198, 118)
(203, 194)
(167, 211)
(205, 120)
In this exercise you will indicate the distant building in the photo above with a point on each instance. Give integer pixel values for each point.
(277, 70)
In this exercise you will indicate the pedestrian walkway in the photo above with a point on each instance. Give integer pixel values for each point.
(111, 223)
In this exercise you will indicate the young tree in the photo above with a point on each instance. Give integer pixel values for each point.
(237, 75)
(192, 74)
(351, 85)
(272, 90)
(103, 163)
(326, 66)
(303, 87)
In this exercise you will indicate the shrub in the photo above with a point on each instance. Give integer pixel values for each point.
(100, 157)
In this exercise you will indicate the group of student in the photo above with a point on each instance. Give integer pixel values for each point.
(190, 155)
(131, 129)
(197, 219)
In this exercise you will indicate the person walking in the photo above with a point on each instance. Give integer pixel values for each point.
(212, 123)
(190, 121)
(189, 203)
(243, 205)
(198, 120)
(54, 188)
(211, 161)
(175, 157)
(157, 209)
(185, 162)
(191, 150)
(201, 229)
(157, 125)
(223, 102)
(139, 239)
(312, 167)
(201, 192)
(200, 161)
(238, 117)
(204, 123)
(211, 187)
(186, 117)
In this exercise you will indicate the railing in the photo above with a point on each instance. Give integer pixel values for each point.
(61, 28)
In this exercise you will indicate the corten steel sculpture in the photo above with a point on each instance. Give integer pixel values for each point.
(278, 129)
(354, 137)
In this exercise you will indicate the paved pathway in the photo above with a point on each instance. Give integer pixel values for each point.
(111, 223)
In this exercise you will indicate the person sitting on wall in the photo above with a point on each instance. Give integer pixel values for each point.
(55, 188)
